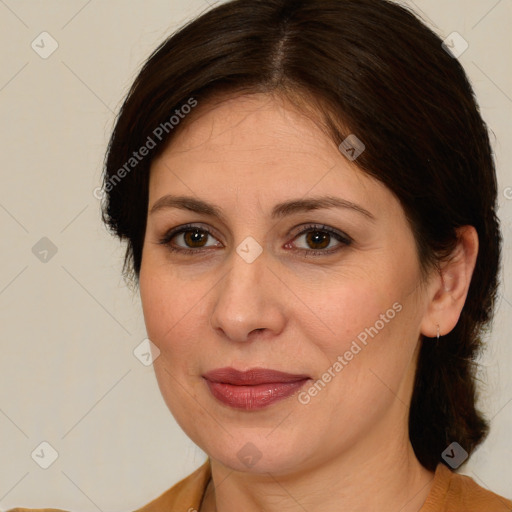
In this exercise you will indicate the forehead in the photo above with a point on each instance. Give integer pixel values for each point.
(252, 129)
(256, 147)
(257, 122)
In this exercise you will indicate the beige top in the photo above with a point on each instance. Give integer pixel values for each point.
(450, 492)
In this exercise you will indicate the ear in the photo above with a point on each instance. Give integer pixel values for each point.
(448, 289)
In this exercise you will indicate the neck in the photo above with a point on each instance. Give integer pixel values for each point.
(381, 477)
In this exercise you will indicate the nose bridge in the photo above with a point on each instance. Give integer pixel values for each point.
(244, 302)
(247, 268)
(247, 263)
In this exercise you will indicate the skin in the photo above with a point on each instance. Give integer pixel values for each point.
(348, 448)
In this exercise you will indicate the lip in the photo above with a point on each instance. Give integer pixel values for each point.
(251, 377)
(252, 389)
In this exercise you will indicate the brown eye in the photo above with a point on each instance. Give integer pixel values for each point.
(318, 238)
(195, 238)
(192, 239)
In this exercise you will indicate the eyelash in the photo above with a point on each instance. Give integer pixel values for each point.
(344, 239)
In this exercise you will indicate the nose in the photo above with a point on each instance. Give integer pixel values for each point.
(249, 300)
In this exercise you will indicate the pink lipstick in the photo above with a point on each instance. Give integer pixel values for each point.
(252, 389)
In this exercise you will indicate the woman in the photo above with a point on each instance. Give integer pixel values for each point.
(308, 196)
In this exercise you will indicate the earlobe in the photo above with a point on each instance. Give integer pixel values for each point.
(450, 290)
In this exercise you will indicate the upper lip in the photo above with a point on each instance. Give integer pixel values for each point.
(251, 377)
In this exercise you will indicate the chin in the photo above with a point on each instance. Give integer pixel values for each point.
(257, 454)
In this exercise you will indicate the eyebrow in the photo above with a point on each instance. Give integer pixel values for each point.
(279, 211)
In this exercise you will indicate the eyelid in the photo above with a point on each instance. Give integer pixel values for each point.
(304, 228)
(342, 238)
(178, 230)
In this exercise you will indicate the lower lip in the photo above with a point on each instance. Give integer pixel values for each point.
(253, 397)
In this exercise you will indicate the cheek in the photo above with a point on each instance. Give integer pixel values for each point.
(173, 314)
(375, 337)
(369, 319)
(348, 309)
(161, 304)
(155, 300)
(171, 318)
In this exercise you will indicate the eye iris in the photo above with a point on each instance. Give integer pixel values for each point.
(316, 237)
(194, 236)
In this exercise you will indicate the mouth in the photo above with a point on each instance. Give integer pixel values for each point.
(252, 389)
(251, 377)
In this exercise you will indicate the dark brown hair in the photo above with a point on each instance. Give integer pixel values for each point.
(367, 67)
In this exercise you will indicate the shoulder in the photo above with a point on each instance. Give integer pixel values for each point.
(474, 497)
(19, 509)
(460, 493)
(185, 496)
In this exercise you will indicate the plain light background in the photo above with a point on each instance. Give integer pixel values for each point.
(69, 325)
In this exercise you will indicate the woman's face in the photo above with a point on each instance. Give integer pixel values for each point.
(329, 294)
